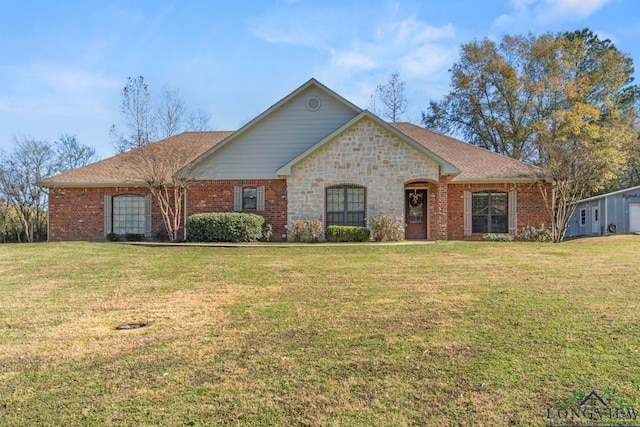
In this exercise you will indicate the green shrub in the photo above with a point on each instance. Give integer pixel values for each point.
(386, 228)
(224, 227)
(305, 231)
(532, 234)
(497, 237)
(344, 233)
(267, 231)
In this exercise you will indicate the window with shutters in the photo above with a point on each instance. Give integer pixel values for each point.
(129, 214)
(248, 198)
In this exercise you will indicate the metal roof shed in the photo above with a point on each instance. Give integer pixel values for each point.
(612, 213)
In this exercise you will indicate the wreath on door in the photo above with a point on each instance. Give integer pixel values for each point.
(415, 199)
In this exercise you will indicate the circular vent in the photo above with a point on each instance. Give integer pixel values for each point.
(313, 103)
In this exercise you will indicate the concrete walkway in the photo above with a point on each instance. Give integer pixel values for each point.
(280, 245)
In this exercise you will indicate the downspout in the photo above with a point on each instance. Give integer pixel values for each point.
(605, 226)
(184, 219)
(48, 220)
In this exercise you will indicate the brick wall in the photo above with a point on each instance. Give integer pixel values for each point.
(530, 206)
(78, 213)
(217, 196)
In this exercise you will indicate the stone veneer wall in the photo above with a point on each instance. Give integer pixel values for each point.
(365, 155)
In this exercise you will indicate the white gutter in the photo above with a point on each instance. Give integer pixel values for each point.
(184, 219)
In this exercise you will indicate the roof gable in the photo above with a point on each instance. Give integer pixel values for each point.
(446, 167)
(280, 133)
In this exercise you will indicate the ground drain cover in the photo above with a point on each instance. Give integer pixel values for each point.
(131, 326)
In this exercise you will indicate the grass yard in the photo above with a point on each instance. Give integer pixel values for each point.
(446, 334)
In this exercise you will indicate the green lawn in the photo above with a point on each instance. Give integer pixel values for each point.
(446, 334)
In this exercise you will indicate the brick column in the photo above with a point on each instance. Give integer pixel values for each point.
(442, 206)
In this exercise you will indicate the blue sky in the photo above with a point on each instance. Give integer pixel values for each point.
(63, 63)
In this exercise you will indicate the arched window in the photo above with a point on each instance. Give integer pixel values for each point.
(345, 206)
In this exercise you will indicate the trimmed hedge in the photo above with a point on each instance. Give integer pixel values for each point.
(344, 233)
(224, 227)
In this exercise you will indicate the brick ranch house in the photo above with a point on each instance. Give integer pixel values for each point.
(312, 155)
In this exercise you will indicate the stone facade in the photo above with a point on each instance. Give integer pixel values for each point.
(365, 155)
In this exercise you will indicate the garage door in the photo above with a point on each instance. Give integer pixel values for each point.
(634, 217)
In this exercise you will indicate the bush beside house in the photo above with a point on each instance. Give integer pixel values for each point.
(225, 227)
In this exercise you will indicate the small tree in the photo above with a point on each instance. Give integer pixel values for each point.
(391, 95)
(158, 166)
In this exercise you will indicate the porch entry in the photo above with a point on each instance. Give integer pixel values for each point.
(415, 214)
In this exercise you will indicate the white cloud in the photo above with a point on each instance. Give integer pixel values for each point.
(544, 12)
(569, 9)
(54, 89)
(72, 79)
(408, 45)
(352, 59)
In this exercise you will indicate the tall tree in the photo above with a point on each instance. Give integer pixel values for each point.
(20, 171)
(145, 121)
(171, 113)
(198, 120)
(562, 101)
(391, 95)
(22, 201)
(137, 115)
(631, 176)
(71, 154)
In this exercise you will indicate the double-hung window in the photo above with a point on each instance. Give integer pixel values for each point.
(249, 198)
(345, 206)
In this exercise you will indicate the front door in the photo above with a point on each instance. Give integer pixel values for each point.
(416, 214)
(595, 220)
(634, 217)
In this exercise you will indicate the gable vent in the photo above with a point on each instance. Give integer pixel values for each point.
(313, 103)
